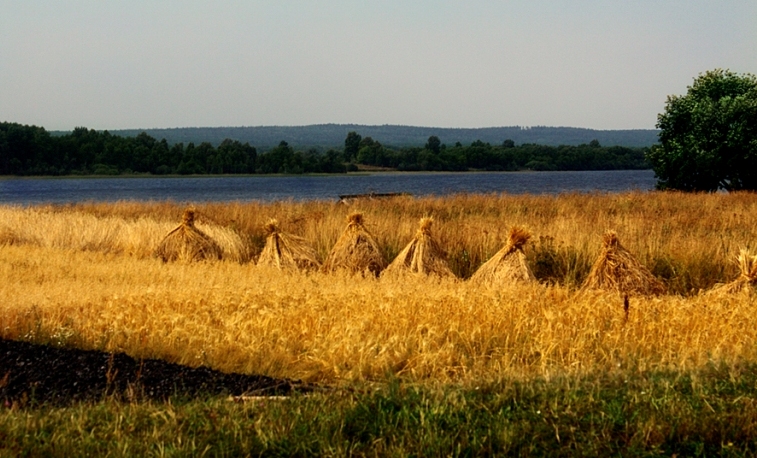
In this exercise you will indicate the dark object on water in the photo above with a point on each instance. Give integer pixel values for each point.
(347, 198)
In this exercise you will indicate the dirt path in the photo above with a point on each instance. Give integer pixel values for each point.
(32, 373)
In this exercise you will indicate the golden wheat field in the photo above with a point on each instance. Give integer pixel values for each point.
(84, 275)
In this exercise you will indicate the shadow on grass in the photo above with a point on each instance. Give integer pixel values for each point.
(32, 373)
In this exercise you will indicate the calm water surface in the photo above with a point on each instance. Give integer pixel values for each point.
(269, 188)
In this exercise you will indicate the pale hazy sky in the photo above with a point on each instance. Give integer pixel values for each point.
(603, 64)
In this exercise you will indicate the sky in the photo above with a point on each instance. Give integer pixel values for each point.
(600, 64)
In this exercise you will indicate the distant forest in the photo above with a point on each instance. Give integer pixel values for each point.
(31, 150)
(327, 136)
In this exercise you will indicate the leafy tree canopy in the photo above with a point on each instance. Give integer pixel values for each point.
(352, 145)
(433, 144)
(708, 137)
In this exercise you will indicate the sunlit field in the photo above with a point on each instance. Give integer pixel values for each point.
(401, 364)
(83, 276)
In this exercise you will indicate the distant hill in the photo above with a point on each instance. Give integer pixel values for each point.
(332, 135)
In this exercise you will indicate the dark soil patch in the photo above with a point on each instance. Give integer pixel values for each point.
(31, 373)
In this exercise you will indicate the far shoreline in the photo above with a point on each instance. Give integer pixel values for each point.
(280, 175)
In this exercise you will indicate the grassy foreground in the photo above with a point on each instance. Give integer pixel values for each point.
(527, 369)
(711, 412)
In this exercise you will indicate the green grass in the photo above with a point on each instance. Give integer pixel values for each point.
(710, 412)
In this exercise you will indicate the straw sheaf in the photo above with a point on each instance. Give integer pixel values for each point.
(616, 269)
(423, 255)
(286, 251)
(188, 218)
(355, 219)
(356, 251)
(187, 243)
(508, 265)
(748, 277)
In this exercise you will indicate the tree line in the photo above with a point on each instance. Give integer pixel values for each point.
(436, 156)
(31, 150)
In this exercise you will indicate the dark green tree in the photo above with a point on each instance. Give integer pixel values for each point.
(190, 163)
(708, 137)
(234, 157)
(371, 152)
(351, 145)
(281, 159)
(331, 162)
(433, 144)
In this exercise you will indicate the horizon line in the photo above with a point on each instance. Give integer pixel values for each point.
(520, 127)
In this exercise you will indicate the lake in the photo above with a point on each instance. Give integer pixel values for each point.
(326, 187)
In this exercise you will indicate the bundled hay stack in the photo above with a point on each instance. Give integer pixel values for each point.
(422, 255)
(356, 250)
(617, 270)
(286, 251)
(509, 264)
(187, 243)
(748, 278)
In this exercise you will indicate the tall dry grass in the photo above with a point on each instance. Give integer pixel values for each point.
(82, 275)
(331, 328)
(687, 240)
(76, 230)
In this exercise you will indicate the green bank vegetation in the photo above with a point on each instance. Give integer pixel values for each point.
(31, 150)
